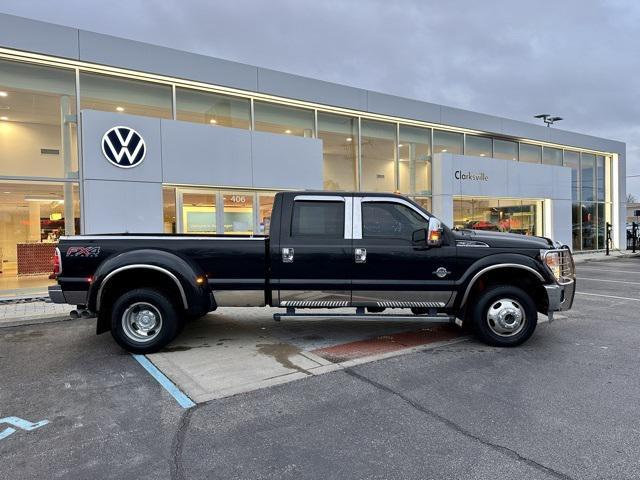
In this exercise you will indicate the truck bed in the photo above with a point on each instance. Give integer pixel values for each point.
(225, 260)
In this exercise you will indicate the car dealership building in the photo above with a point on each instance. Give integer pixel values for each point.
(102, 134)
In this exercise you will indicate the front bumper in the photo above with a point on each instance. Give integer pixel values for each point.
(560, 297)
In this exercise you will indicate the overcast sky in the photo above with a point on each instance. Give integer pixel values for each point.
(579, 59)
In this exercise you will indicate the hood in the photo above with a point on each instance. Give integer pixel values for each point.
(504, 240)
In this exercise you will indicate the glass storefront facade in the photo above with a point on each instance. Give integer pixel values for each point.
(39, 105)
(499, 215)
(39, 188)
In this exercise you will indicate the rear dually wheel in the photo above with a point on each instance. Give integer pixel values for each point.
(143, 321)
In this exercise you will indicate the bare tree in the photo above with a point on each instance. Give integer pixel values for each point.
(631, 198)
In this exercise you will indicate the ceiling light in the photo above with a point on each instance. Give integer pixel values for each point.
(287, 131)
(444, 150)
(120, 109)
(482, 155)
(400, 145)
(6, 192)
(42, 198)
(213, 121)
(4, 94)
(4, 118)
(349, 139)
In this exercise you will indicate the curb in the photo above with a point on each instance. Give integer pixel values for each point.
(603, 257)
(34, 320)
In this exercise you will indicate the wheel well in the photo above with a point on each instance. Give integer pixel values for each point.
(512, 276)
(139, 278)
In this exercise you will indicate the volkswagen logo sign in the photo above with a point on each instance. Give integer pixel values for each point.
(123, 147)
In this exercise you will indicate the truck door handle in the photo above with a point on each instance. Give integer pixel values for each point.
(360, 255)
(287, 255)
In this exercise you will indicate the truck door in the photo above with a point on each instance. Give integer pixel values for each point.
(389, 269)
(311, 267)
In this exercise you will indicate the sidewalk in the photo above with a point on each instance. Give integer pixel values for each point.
(25, 312)
(600, 255)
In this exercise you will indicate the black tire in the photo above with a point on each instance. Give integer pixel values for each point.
(506, 303)
(130, 333)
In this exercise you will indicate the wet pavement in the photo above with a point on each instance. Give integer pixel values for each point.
(561, 406)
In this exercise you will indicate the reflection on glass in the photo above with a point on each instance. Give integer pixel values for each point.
(600, 178)
(238, 212)
(572, 160)
(576, 214)
(123, 95)
(339, 136)
(378, 156)
(169, 210)
(270, 117)
(588, 177)
(589, 226)
(505, 149)
(530, 153)
(601, 230)
(198, 212)
(478, 146)
(37, 131)
(552, 156)
(499, 215)
(447, 142)
(212, 108)
(265, 205)
(414, 162)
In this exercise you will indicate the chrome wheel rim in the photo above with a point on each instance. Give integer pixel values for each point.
(506, 317)
(141, 322)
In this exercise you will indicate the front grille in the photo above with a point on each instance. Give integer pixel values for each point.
(567, 267)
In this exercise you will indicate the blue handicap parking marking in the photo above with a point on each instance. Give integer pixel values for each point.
(183, 400)
(19, 423)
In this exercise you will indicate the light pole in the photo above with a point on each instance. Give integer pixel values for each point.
(548, 119)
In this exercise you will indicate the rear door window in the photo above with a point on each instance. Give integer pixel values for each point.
(317, 219)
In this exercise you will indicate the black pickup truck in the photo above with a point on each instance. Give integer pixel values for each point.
(372, 252)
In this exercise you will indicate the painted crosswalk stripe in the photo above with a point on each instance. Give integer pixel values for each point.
(168, 385)
(608, 296)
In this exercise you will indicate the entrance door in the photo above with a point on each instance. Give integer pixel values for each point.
(238, 213)
(389, 270)
(312, 267)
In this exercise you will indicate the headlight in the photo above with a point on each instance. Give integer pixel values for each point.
(552, 259)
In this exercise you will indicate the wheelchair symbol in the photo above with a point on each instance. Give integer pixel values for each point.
(19, 423)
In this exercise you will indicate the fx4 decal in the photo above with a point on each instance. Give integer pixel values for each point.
(86, 252)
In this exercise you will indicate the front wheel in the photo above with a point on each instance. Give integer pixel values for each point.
(504, 316)
(143, 321)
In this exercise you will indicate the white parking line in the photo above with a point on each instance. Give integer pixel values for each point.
(606, 270)
(608, 296)
(610, 281)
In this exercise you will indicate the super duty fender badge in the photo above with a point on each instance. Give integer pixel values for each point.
(441, 272)
(86, 252)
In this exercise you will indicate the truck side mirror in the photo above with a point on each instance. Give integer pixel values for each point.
(419, 236)
(434, 238)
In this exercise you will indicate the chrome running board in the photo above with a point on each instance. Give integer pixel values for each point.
(361, 315)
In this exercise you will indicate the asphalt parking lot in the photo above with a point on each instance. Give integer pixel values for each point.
(561, 406)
